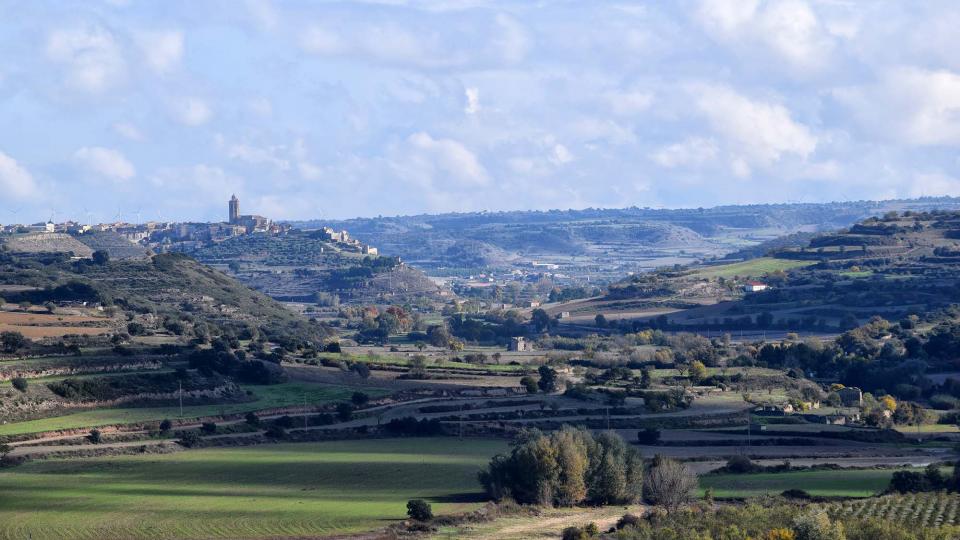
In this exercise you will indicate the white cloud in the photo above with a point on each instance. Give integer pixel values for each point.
(205, 181)
(692, 151)
(255, 155)
(473, 101)
(15, 181)
(192, 111)
(427, 161)
(128, 130)
(105, 162)
(759, 132)
(789, 29)
(629, 102)
(161, 49)
(90, 55)
(909, 104)
(513, 42)
(319, 40)
(561, 155)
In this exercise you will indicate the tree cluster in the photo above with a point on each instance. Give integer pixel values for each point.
(566, 467)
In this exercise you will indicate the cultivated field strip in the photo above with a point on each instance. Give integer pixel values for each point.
(912, 510)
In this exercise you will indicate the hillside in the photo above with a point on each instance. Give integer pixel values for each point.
(45, 243)
(893, 266)
(298, 265)
(604, 244)
(168, 294)
(117, 246)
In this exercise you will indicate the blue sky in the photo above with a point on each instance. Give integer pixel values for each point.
(341, 109)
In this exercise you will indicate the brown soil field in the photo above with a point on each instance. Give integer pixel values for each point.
(33, 319)
(35, 332)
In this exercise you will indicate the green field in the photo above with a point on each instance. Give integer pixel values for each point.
(840, 483)
(264, 397)
(404, 361)
(752, 268)
(268, 491)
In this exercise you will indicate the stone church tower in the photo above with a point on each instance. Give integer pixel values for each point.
(234, 209)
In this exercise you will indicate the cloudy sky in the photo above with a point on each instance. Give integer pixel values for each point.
(341, 109)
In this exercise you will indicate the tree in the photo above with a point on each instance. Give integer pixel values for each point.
(209, 427)
(540, 319)
(359, 399)
(19, 383)
(698, 372)
(888, 403)
(101, 257)
(95, 436)
(600, 320)
(419, 510)
(548, 379)
(361, 369)
(165, 425)
(669, 483)
(567, 467)
(12, 341)
(418, 366)
(530, 384)
(252, 419)
(344, 411)
(817, 526)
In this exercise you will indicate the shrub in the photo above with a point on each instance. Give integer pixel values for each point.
(628, 520)
(276, 432)
(359, 399)
(344, 411)
(817, 526)
(419, 510)
(95, 436)
(740, 465)
(12, 341)
(648, 436)
(208, 427)
(530, 384)
(189, 439)
(252, 419)
(19, 383)
(165, 425)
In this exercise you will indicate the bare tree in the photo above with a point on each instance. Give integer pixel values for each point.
(669, 483)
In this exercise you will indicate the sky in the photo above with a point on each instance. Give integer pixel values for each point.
(162, 109)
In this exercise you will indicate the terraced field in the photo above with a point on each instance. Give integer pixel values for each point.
(265, 397)
(752, 268)
(845, 483)
(270, 491)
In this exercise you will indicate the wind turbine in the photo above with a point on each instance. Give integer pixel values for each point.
(138, 216)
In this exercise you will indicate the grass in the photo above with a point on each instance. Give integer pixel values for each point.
(265, 397)
(839, 483)
(857, 274)
(752, 268)
(431, 363)
(267, 491)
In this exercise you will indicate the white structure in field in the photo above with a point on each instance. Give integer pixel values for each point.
(755, 286)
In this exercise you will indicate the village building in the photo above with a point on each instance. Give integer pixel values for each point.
(850, 397)
(755, 286)
(519, 344)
